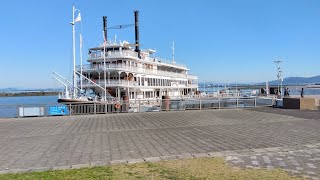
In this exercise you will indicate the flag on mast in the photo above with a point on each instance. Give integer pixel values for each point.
(78, 19)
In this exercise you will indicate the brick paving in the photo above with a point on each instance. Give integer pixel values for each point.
(301, 161)
(246, 138)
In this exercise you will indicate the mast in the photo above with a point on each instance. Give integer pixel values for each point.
(81, 62)
(104, 55)
(74, 52)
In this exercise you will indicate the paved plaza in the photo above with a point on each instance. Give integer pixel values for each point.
(258, 138)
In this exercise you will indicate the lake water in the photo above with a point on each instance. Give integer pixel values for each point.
(9, 105)
(28, 100)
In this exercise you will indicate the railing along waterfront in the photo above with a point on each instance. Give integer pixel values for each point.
(133, 69)
(136, 106)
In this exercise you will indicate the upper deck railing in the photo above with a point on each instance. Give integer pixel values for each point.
(133, 69)
(132, 54)
(126, 83)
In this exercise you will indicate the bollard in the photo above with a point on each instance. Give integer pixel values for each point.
(125, 104)
(255, 101)
(139, 101)
(165, 103)
(237, 102)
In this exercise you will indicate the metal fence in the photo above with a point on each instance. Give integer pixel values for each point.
(136, 106)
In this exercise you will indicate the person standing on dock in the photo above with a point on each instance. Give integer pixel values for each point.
(302, 92)
(286, 92)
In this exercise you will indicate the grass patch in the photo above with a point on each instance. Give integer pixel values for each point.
(202, 168)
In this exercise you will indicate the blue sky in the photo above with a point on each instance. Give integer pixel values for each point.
(225, 40)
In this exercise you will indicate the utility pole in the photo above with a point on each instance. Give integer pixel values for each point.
(279, 76)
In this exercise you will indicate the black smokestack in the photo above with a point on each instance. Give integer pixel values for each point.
(105, 27)
(136, 22)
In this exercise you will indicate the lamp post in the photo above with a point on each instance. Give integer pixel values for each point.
(279, 76)
(214, 88)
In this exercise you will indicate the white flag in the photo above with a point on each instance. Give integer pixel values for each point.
(78, 19)
(80, 40)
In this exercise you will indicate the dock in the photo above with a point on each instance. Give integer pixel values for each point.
(260, 137)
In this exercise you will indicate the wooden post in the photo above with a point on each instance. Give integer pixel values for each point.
(125, 104)
(165, 103)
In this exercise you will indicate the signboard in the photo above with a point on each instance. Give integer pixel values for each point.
(58, 110)
(31, 111)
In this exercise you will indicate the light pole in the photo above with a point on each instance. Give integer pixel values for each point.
(236, 88)
(214, 88)
(279, 76)
(228, 88)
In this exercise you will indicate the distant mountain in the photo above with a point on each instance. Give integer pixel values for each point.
(15, 90)
(286, 81)
(298, 81)
(8, 89)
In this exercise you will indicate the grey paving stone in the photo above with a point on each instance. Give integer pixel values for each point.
(61, 167)
(259, 150)
(118, 162)
(19, 170)
(273, 149)
(152, 159)
(134, 161)
(62, 141)
(164, 158)
(185, 156)
(216, 154)
(40, 169)
(78, 166)
(230, 153)
(200, 155)
(99, 163)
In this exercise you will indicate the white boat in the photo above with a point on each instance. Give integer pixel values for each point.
(119, 70)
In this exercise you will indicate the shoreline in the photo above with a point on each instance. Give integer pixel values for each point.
(19, 94)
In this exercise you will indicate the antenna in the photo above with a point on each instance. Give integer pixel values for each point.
(172, 52)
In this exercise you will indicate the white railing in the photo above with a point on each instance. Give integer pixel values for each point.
(132, 54)
(163, 61)
(115, 54)
(134, 69)
(112, 83)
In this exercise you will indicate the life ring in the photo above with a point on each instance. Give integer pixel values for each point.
(117, 106)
